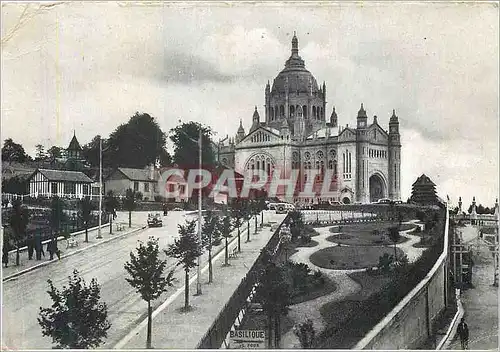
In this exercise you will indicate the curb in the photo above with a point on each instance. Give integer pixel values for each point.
(34, 267)
(444, 344)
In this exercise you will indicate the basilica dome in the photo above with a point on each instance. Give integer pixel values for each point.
(295, 75)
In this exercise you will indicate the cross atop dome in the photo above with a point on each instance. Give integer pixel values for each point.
(295, 44)
(295, 61)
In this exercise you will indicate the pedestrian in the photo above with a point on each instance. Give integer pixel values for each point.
(463, 332)
(5, 252)
(50, 248)
(30, 242)
(55, 249)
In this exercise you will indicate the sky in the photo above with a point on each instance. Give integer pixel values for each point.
(89, 67)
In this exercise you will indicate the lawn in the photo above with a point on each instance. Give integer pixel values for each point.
(340, 313)
(325, 289)
(347, 258)
(364, 239)
(367, 228)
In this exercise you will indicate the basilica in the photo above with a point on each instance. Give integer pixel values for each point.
(365, 160)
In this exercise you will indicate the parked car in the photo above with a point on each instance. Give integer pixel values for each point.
(282, 208)
(154, 220)
(384, 201)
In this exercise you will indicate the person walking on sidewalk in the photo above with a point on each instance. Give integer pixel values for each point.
(5, 251)
(52, 248)
(30, 242)
(463, 332)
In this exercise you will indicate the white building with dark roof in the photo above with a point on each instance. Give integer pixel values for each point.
(144, 181)
(62, 183)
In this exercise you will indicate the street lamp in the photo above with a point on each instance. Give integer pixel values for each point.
(199, 142)
(100, 189)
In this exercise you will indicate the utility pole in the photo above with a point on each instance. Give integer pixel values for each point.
(100, 187)
(198, 282)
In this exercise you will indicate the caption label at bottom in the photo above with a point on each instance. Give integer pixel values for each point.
(247, 339)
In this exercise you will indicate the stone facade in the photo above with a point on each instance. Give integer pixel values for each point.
(365, 160)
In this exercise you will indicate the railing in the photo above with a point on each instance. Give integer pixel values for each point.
(410, 323)
(217, 333)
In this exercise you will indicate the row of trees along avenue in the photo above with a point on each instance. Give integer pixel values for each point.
(147, 273)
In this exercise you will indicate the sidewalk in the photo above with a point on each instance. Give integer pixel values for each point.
(27, 265)
(481, 302)
(173, 329)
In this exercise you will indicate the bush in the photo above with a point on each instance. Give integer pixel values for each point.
(160, 199)
(318, 279)
(305, 238)
(385, 262)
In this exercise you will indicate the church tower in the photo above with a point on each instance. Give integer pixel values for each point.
(394, 171)
(255, 120)
(362, 159)
(241, 133)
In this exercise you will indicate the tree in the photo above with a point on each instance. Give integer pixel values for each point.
(40, 152)
(91, 152)
(273, 292)
(57, 206)
(261, 197)
(305, 333)
(137, 143)
(186, 249)
(394, 237)
(54, 152)
(146, 276)
(209, 230)
(18, 184)
(77, 318)
(110, 205)
(165, 158)
(255, 211)
(185, 150)
(225, 230)
(19, 220)
(129, 204)
(12, 151)
(237, 211)
(85, 213)
(296, 224)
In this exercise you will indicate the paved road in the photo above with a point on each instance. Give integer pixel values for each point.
(23, 297)
(480, 302)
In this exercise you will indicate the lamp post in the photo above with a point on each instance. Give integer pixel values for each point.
(200, 218)
(100, 188)
(198, 283)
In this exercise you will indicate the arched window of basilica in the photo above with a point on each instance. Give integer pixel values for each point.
(292, 111)
(319, 154)
(304, 111)
(271, 113)
(282, 111)
(330, 164)
(314, 111)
